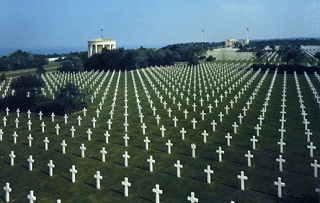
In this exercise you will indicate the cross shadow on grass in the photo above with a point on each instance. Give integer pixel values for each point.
(145, 169)
(146, 199)
(68, 179)
(117, 191)
(174, 175)
(90, 184)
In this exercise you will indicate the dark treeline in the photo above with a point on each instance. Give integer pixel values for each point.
(21, 60)
(122, 59)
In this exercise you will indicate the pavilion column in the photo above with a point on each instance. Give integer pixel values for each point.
(96, 48)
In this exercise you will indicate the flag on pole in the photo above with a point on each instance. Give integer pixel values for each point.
(248, 30)
(202, 30)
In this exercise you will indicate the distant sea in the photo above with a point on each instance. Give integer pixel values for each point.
(47, 50)
(66, 50)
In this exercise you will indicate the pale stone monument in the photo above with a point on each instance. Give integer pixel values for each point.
(97, 45)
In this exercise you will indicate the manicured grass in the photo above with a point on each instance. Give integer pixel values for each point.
(298, 174)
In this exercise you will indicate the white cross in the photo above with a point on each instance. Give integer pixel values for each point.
(126, 184)
(162, 131)
(315, 165)
(4, 121)
(29, 124)
(235, 127)
(182, 131)
(8, 190)
(15, 135)
(51, 166)
(216, 102)
(228, 137)
(30, 160)
(89, 134)
(72, 131)
(147, 141)
(282, 130)
(179, 106)
(84, 112)
(280, 160)
(227, 109)
(220, 152)
(254, 140)
(157, 191)
(192, 199)
(65, 118)
(169, 111)
(29, 114)
(281, 143)
(194, 123)
(83, 148)
(94, 122)
(31, 197)
(98, 177)
(17, 122)
(249, 156)
(30, 138)
(151, 161)
(46, 142)
(52, 117)
(279, 184)
(311, 147)
(244, 111)
(202, 114)
(40, 115)
(178, 166)
(79, 120)
(57, 127)
(242, 177)
(12, 156)
(209, 172)
(213, 123)
(308, 133)
(126, 138)
(73, 172)
(210, 108)
(175, 120)
(205, 134)
(193, 147)
(107, 135)
(158, 119)
(144, 128)
(141, 116)
(194, 107)
(7, 110)
(42, 126)
(260, 118)
(103, 153)
(169, 144)
(126, 157)
(64, 144)
(258, 128)
(220, 115)
(185, 113)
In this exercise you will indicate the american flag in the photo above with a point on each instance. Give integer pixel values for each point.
(202, 30)
(248, 30)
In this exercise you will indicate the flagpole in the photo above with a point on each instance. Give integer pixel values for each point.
(101, 33)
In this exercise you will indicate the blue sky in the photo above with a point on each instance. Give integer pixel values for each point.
(71, 23)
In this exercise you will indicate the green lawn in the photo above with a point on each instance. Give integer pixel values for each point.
(225, 187)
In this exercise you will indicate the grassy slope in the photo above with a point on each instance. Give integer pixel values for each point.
(298, 175)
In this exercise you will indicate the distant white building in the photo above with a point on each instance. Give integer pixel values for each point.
(97, 45)
(232, 42)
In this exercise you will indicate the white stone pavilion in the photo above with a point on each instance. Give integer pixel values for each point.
(97, 45)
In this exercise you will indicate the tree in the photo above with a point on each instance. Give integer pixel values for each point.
(210, 58)
(72, 64)
(317, 55)
(27, 85)
(40, 70)
(69, 99)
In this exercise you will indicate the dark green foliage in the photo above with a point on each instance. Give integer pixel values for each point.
(72, 64)
(27, 83)
(69, 99)
(210, 58)
(40, 70)
(21, 60)
(292, 55)
(121, 59)
(317, 55)
(3, 77)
